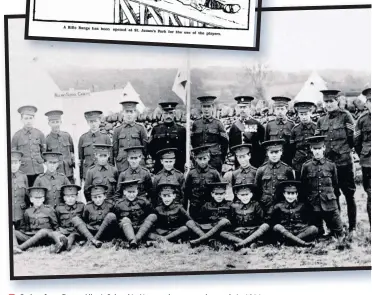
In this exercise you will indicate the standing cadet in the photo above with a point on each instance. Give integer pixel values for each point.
(52, 179)
(31, 142)
(168, 134)
(102, 172)
(61, 142)
(245, 173)
(338, 127)
(247, 130)
(88, 139)
(281, 127)
(363, 148)
(270, 174)
(299, 133)
(128, 134)
(196, 191)
(210, 131)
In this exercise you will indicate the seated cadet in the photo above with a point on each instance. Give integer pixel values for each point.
(97, 219)
(52, 179)
(247, 218)
(168, 174)
(270, 174)
(134, 213)
(68, 210)
(172, 217)
(245, 173)
(215, 214)
(39, 224)
(135, 171)
(101, 172)
(290, 218)
(196, 191)
(319, 180)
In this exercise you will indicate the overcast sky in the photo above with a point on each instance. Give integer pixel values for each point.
(290, 41)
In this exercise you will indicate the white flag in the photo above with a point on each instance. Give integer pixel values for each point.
(180, 85)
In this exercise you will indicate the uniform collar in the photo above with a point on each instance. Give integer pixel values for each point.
(136, 170)
(334, 113)
(170, 172)
(200, 170)
(55, 134)
(103, 167)
(27, 130)
(51, 175)
(306, 125)
(246, 169)
(73, 207)
(214, 203)
(131, 124)
(290, 205)
(99, 207)
(38, 209)
(94, 134)
(319, 162)
(274, 165)
(209, 120)
(170, 124)
(281, 121)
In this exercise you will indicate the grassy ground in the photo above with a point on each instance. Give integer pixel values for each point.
(179, 257)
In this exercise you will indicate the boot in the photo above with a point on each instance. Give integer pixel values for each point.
(230, 237)
(145, 226)
(289, 236)
(176, 233)
(107, 221)
(128, 231)
(41, 234)
(156, 237)
(258, 233)
(71, 240)
(309, 233)
(194, 228)
(16, 249)
(81, 227)
(221, 224)
(60, 241)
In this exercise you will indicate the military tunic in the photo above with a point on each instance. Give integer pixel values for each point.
(61, 142)
(53, 183)
(127, 135)
(65, 213)
(212, 212)
(172, 176)
(246, 218)
(20, 199)
(268, 176)
(31, 142)
(136, 210)
(281, 129)
(301, 148)
(196, 190)
(165, 136)
(93, 215)
(253, 132)
(243, 175)
(170, 218)
(105, 175)
(36, 219)
(211, 132)
(86, 151)
(145, 188)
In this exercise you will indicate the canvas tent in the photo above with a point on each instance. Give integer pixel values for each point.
(310, 91)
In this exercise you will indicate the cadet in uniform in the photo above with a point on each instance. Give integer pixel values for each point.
(291, 217)
(134, 213)
(101, 172)
(88, 139)
(58, 141)
(168, 134)
(319, 181)
(363, 148)
(52, 179)
(169, 174)
(247, 130)
(196, 190)
(172, 217)
(68, 210)
(281, 127)
(299, 133)
(215, 214)
(247, 217)
(338, 127)
(128, 134)
(210, 131)
(136, 171)
(270, 174)
(98, 219)
(39, 224)
(31, 142)
(245, 173)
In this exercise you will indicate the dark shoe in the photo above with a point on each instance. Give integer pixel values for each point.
(17, 250)
(96, 243)
(61, 245)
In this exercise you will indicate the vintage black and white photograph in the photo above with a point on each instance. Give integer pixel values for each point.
(225, 23)
(137, 160)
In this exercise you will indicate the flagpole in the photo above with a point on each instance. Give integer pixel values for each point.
(188, 112)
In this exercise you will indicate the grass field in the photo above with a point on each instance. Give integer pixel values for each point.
(179, 257)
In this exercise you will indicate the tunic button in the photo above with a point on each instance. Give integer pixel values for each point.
(100, 213)
(15, 202)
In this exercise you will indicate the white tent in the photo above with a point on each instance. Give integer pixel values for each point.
(310, 91)
(130, 93)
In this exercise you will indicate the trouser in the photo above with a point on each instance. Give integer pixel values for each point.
(366, 171)
(296, 237)
(346, 183)
(332, 220)
(27, 240)
(298, 175)
(216, 162)
(194, 211)
(31, 179)
(142, 230)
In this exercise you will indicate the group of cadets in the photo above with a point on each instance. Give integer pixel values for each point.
(287, 180)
